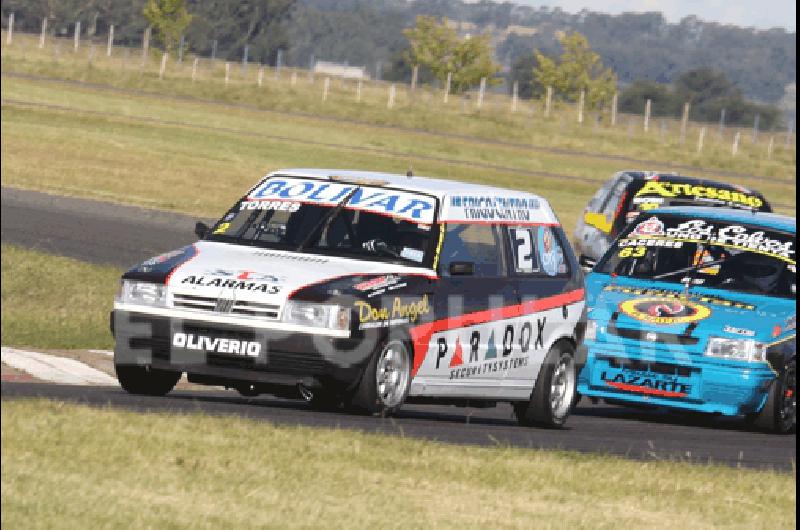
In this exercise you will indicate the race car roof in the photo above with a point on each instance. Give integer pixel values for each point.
(684, 179)
(733, 215)
(460, 201)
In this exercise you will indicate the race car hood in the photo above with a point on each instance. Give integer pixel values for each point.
(662, 308)
(252, 274)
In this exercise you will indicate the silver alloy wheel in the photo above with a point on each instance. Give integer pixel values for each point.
(562, 386)
(392, 374)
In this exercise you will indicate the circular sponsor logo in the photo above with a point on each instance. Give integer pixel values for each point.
(664, 310)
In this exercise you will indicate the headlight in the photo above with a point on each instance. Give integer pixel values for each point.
(591, 330)
(738, 349)
(317, 315)
(142, 293)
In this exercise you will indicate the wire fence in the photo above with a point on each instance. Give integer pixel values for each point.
(88, 50)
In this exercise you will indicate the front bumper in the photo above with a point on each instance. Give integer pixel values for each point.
(204, 351)
(675, 380)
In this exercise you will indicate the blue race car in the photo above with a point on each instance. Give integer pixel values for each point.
(694, 308)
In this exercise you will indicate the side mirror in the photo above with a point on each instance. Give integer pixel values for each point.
(201, 229)
(462, 268)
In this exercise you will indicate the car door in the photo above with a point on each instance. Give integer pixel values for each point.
(541, 273)
(474, 290)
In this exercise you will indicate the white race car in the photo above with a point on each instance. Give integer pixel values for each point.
(367, 290)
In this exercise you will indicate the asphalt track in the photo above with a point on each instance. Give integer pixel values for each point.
(100, 232)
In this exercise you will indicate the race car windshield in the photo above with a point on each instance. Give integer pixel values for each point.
(346, 220)
(708, 253)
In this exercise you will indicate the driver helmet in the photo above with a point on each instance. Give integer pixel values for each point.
(761, 271)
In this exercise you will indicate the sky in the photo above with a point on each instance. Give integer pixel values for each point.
(761, 14)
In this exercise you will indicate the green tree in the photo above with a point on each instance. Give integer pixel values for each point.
(438, 47)
(664, 100)
(578, 68)
(169, 18)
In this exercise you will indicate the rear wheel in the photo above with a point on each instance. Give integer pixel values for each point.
(146, 380)
(386, 380)
(553, 396)
(779, 414)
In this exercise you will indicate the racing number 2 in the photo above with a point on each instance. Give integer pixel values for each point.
(523, 246)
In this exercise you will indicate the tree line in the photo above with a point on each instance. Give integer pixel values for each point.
(405, 34)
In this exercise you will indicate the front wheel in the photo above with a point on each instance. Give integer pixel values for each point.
(779, 414)
(146, 380)
(386, 380)
(554, 394)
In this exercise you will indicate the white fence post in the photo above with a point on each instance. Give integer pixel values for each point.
(481, 92)
(326, 86)
(700, 139)
(77, 36)
(514, 96)
(447, 86)
(581, 102)
(260, 79)
(359, 87)
(770, 147)
(614, 103)
(110, 45)
(194, 69)
(43, 35)
(227, 73)
(548, 102)
(647, 107)
(392, 93)
(414, 77)
(145, 44)
(10, 31)
(735, 146)
(685, 120)
(163, 65)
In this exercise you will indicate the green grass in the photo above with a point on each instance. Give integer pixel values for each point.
(55, 302)
(422, 110)
(71, 466)
(199, 157)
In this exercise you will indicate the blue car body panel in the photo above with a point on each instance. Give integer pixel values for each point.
(663, 363)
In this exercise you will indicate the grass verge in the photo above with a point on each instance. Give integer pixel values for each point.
(55, 302)
(68, 465)
(199, 157)
(422, 109)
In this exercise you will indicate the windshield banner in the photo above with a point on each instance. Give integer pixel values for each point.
(652, 232)
(394, 203)
(670, 190)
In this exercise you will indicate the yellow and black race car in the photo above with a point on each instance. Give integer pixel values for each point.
(629, 193)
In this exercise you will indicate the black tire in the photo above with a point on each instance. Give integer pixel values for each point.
(779, 414)
(145, 380)
(544, 409)
(368, 397)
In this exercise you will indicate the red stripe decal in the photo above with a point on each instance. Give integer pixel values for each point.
(179, 265)
(421, 335)
(644, 390)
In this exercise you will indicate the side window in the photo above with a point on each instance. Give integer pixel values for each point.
(598, 200)
(537, 250)
(612, 200)
(479, 244)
